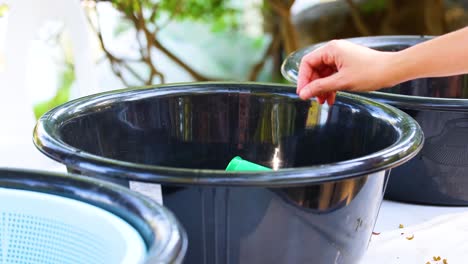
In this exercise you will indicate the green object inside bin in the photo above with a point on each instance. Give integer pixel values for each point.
(239, 164)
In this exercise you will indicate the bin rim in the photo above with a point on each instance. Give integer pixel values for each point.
(290, 68)
(47, 139)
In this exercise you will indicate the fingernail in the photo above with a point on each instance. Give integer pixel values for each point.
(299, 89)
(302, 93)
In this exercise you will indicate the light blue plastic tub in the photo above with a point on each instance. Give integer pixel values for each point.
(58, 219)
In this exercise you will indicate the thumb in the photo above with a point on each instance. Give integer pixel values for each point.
(322, 86)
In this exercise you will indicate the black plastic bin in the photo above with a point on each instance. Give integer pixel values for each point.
(439, 173)
(319, 207)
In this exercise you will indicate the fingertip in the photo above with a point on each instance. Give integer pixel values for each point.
(306, 73)
(303, 94)
(330, 101)
(308, 92)
(303, 75)
(321, 100)
(299, 88)
(331, 98)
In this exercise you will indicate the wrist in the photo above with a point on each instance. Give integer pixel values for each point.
(395, 70)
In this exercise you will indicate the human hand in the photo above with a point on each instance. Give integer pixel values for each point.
(342, 65)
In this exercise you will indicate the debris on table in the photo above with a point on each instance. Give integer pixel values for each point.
(401, 226)
(410, 237)
(437, 260)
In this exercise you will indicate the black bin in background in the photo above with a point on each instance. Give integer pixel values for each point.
(439, 173)
(319, 207)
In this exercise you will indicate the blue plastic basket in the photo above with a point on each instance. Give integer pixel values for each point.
(59, 219)
(43, 228)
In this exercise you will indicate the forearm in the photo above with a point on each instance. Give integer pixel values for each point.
(442, 56)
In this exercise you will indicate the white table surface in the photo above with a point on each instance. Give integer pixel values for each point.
(392, 214)
(428, 232)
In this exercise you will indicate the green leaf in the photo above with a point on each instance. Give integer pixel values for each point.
(122, 27)
(373, 6)
(3, 9)
(62, 95)
(259, 42)
(218, 13)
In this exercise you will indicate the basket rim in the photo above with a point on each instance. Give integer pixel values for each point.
(146, 216)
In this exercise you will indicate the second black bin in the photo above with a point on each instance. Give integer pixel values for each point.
(320, 203)
(439, 173)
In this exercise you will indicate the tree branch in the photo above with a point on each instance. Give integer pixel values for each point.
(290, 3)
(357, 19)
(146, 55)
(139, 22)
(278, 7)
(152, 16)
(282, 8)
(115, 62)
(256, 69)
(153, 42)
(179, 62)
